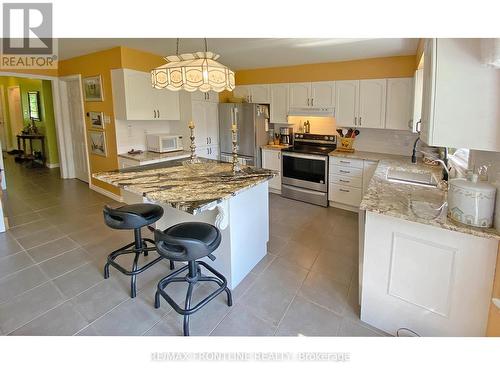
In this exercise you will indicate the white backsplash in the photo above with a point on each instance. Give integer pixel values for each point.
(395, 142)
(132, 134)
(492, 160)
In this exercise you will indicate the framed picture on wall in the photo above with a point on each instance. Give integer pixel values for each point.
(96, 120)
(34, 105)
(92, 86)
(97, 142)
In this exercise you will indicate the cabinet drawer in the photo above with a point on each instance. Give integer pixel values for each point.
(344, 194)
(346, 180)
(345, 162)
(346, 171)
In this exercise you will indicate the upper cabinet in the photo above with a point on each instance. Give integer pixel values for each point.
(210, 96)
(312, 94)
(399, 107)
(300, 94)
(279, 103)
(253, 93)
(346, 107)
(417, 100)
(135, 99)
(460, 96)
(323, 94)
(372, 97)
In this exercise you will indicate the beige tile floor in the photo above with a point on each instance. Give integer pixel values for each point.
(51, 271)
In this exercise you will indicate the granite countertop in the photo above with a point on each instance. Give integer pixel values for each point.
(184, 188)
(367, 155)
(394, 199)
(152, 156)
(274, 147)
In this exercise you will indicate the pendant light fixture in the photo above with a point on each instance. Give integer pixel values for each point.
(197, 71)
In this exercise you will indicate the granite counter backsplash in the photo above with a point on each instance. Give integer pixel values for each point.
(367, 155)
(187, 189)
(414, 203)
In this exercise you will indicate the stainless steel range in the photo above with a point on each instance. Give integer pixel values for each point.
(305, 168)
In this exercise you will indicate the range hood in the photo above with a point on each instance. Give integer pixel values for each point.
(312, 111)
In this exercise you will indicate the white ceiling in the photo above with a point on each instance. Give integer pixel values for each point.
(254, 53)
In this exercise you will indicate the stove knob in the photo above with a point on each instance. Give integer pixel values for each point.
(331, 138)
(326, 138)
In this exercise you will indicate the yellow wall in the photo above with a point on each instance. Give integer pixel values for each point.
(419, 54)
(139, 60)
(383, 67)
(99, 63)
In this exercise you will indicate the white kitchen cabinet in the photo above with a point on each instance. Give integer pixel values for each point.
(259, 94)
(369, 168)
(323, 94)
(209, 152)
(417, 99)
(253, 93)
(460, 96)
(210, 96)
(279, 103)
(300, 94)
(426, 279)
(205, 116)
(135, 99)
(347, 100)
(348, 181)
(372, 99)
(399, 107)
(312, 94)
(242, 91)
(271, 159)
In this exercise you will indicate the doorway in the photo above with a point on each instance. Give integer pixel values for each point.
(73, 116)
(15, 112)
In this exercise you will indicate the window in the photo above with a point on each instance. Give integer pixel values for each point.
(34, 105)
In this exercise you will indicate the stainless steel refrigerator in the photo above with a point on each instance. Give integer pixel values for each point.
(252, 120)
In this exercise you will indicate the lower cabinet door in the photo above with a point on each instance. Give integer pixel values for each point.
(275, 182)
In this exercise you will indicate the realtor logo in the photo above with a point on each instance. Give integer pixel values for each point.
(27, 28)
(27, 36)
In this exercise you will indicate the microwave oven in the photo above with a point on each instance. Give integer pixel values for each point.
(163, 142)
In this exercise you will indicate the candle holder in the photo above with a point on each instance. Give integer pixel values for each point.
(235, 161)
(193, 159)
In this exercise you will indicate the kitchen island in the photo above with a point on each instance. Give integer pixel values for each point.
(236, 203)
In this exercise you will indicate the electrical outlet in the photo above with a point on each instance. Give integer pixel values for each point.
(107, 119)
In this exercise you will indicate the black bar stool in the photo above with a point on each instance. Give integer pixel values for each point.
(188, 242)
(132, 216)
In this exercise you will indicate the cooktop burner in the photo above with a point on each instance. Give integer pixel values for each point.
(318, 144)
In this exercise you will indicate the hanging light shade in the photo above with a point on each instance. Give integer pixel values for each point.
(193, 71)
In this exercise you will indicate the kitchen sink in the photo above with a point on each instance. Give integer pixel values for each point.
(412, 178)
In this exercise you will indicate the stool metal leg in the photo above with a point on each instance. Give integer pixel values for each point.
(133, 279)
(187, 305)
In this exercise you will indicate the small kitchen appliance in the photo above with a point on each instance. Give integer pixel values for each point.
(286, 135)
(471, 202)
(163, 142)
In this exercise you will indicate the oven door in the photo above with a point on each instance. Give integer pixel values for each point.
(305, 171)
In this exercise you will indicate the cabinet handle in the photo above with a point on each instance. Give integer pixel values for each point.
(342, 171)
(343, 180)
(345, 162)
(312, 102)
(308, 102)
(359, 120)
(154, 113)
(208, 96)
(355, 120)
(345, 190)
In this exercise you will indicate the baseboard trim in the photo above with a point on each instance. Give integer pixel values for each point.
(107, 193)
(53, 165)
